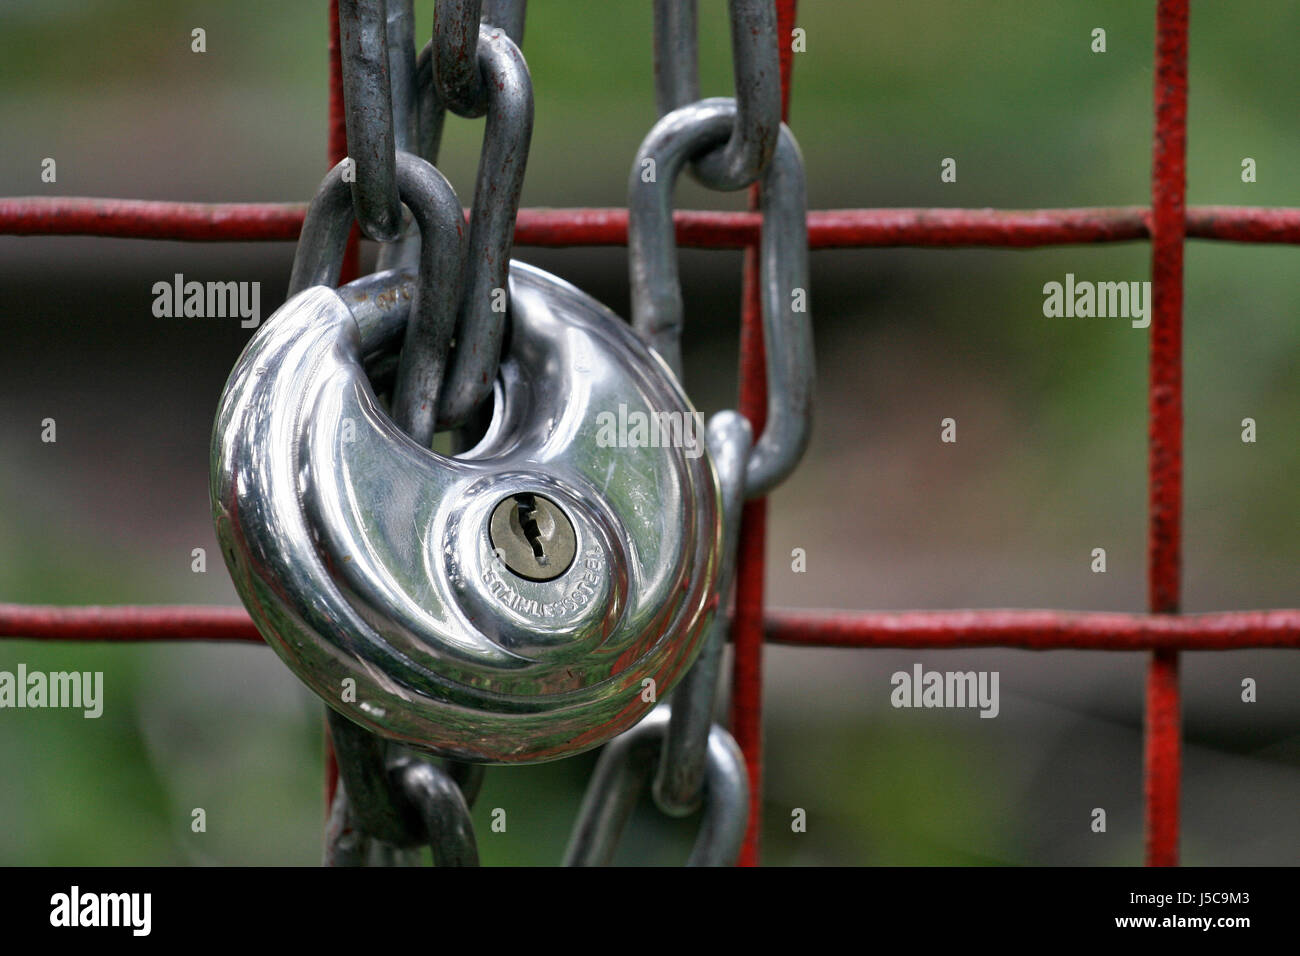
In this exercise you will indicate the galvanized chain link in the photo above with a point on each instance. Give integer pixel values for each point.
(455, 45)
(438, 811)
(657, 307)
(481, 318)
(387, 804)
(388, 801)
(363, 42)
(406, 134)
(428, 333)
(508, 15)
(624, 767)
(395, 103)
(678, 781)
(456, 23)
(731, 143)
(756, 67)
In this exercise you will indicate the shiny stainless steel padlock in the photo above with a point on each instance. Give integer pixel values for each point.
(513, 603)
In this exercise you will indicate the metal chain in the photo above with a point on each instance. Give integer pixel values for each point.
(744, 469)
(481, 318)
(458, 79)
(438, 213)
(387, 803)
(756, 67)
(363, 41)
(657, 308)
(509, 15)
(387, 800)
(620, 776)
(695, 760)
(473, 68)
(455, 40)
(406, 133)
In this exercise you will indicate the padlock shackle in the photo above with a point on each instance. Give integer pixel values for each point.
(438, 213)
(381, 304)
(657, 307)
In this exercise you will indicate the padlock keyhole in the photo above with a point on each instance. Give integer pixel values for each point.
(533, 536)
(527, 516)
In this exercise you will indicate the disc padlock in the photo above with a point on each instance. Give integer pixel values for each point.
(525, 600)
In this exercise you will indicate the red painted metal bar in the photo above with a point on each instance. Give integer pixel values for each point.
(338, 139)
(337, 148)
(150, 219)
(1163, 757)
(1038, 630)
(747, 624)
(701, 229)
(127, 623)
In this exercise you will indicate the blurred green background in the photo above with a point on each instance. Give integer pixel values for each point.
(1049, 464)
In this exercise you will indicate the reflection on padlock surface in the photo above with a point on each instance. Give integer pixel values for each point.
(427, 580)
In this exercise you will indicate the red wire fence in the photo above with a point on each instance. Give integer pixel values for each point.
(1164, 632)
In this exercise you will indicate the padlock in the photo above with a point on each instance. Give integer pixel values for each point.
(526, 600)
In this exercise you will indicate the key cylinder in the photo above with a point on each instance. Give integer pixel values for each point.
(532, 536)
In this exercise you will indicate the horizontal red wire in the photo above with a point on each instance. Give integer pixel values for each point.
(827, 228)
(1038, 630)
(127, 623)
(150, 219)
(1027, 629)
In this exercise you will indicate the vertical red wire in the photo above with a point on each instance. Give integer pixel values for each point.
(338, 149)
(338, 138)
(747, 625)
(1165, 426)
